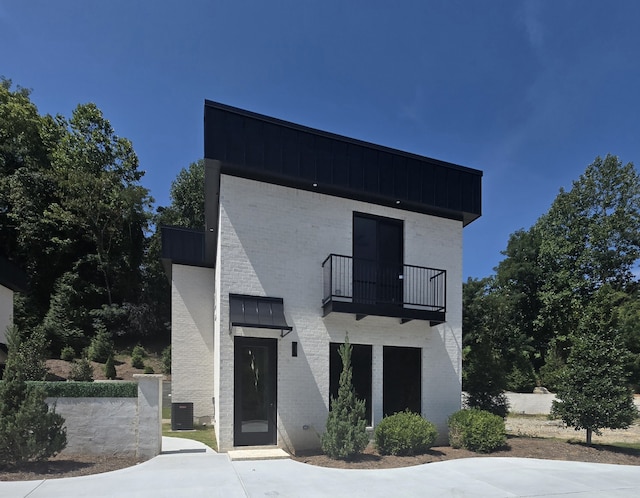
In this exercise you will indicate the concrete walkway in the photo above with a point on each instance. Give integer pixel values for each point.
(190, 469)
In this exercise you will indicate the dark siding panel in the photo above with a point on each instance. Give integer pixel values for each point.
(235, 139)
(386, 185)
(307, 158)
(414, 175)
(273, 148)
(356, 168)
(400, 177)
(291, 153)
(454, 190)
(255, 144)
(270, 150)
(340, 173)
(371, 171)
(324, 161)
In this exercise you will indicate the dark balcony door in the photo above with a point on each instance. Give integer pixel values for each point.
(377, 260)
(255, 391)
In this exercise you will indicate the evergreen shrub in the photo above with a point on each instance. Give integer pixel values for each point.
(405, 433)
(346, 432)
(29, 430)
(476, 430)
(110, 368)
(137, 357)
(101, 346)
(67, 353)
(166, 360)
(148, 369)
(81, 370)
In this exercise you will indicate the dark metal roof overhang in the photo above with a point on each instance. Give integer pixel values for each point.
(257, 312)
(182, 246)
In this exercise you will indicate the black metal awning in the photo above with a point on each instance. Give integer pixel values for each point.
(257, 312)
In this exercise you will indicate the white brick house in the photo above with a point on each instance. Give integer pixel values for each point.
(311, 236)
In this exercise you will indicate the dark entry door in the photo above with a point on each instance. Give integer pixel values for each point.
(377, 260)
(255, 391)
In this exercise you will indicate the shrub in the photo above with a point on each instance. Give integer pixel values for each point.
(137, 361)
(137, 357)
(405, 433)
(88, 389)
(29, 351)
(110, 368)
(346, 433)
(101, 346)
(166, 360)
(81, 371)
(476, 430)
(139, 351)
(67, 353)
(29, 431)
(148, 369)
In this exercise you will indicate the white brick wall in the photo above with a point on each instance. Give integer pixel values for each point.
(6, 311)
(272, 242)
(192, 372)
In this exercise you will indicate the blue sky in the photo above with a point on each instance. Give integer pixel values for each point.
(530, 92)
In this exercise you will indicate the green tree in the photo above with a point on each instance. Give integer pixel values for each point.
(592, 392)
(110, 368)
(29, 430)
(346, 433)
(73, 214)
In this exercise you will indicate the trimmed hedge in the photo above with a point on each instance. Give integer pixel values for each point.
(89, 389)
(404, 433)
(476, 430)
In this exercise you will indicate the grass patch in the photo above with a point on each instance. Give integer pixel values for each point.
(166, 412)
(203, 433)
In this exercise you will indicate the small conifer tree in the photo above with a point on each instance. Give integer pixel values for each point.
(346, 434)
(110, 368)
(29, 431)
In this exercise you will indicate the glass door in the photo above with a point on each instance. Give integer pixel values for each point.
(255, 391)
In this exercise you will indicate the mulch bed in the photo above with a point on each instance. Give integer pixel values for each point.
(518, 447)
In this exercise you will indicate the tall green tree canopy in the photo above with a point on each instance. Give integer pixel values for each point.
(588, 240)
(73, 214)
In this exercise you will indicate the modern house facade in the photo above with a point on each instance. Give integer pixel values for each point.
(311, 237)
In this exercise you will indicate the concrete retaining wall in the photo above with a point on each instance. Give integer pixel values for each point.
(129, 427)
(531, 404)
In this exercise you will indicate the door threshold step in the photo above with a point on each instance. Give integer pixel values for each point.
(257, 454)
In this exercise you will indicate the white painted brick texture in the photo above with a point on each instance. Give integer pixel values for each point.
(272, 242)
(192, 369)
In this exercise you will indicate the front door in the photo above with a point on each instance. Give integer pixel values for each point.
(255, 391)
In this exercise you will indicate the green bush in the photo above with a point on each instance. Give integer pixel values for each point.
(139, 351)
(101, 346)
(81, 371)
(476, 430)
(88, 389)
(67, 353)
(404, 433)
(137, 361)
(110, 368)
(29, 430)
(137, 357)
(148, 369)
(166, 360)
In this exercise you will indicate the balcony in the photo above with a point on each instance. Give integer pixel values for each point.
(363, 287)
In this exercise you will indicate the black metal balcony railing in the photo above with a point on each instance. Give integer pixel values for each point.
(372, 284)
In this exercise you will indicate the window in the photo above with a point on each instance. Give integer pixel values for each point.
(401, 380)
(361, 373)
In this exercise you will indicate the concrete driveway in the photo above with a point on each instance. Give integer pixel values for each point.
(189, 469)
